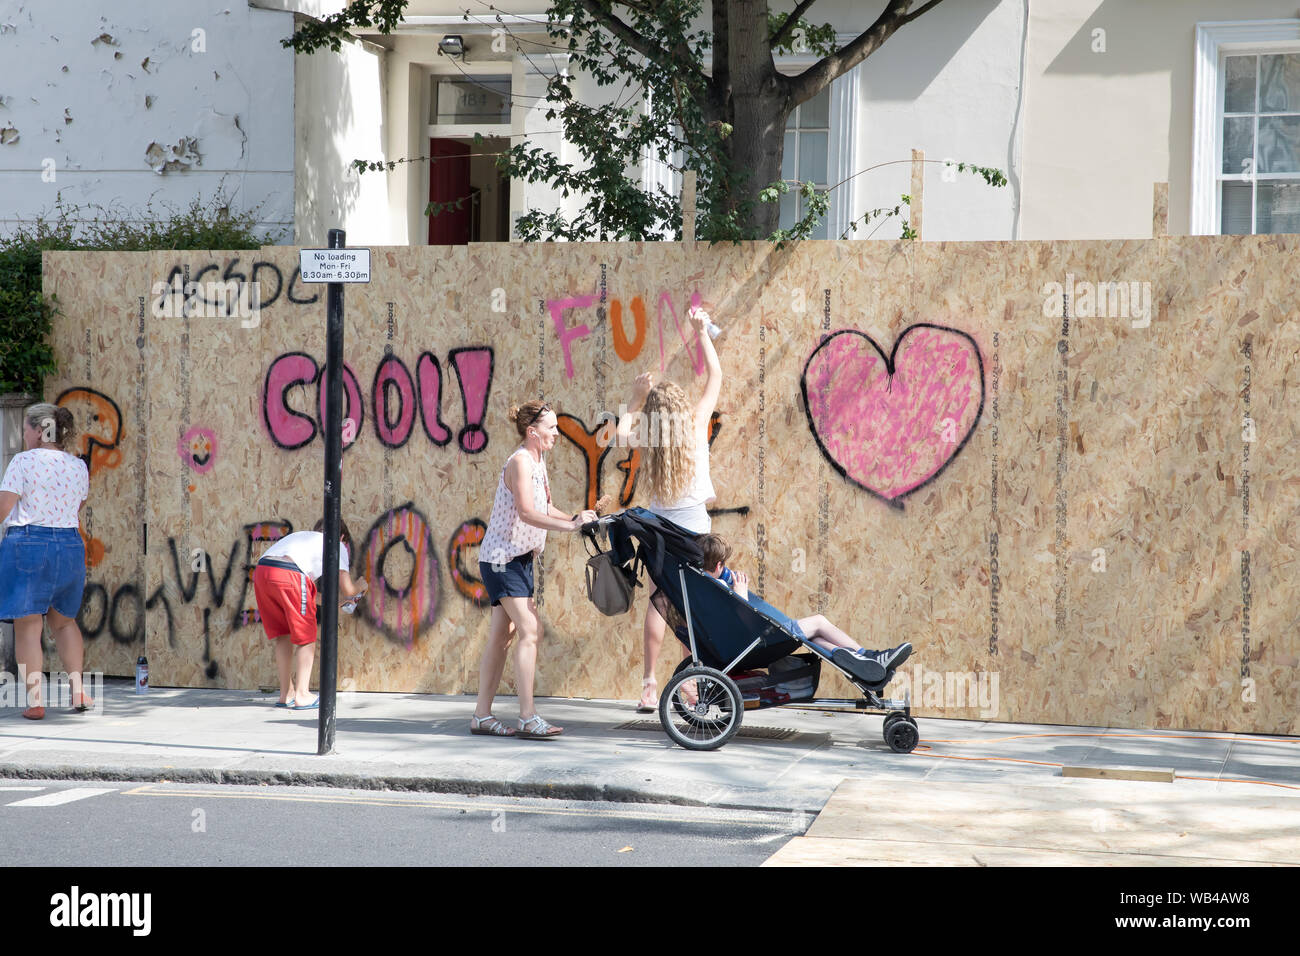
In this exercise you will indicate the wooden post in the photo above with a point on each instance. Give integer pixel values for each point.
(1160, 211)
(688, 206)
(918, 190)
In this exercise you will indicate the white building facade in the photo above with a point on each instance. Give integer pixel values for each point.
(1085, 104)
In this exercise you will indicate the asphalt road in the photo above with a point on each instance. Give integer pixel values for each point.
(81, 823)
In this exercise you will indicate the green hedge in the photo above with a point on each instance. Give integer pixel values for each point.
(27, 316)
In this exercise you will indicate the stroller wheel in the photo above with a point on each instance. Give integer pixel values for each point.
(902, 735)
(705, 713)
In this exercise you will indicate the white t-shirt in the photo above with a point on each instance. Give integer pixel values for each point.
(50, 485)
(307, 550)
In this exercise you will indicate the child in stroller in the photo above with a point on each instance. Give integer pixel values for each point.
(868, 665)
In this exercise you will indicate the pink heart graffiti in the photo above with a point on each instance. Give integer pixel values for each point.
(892, 424)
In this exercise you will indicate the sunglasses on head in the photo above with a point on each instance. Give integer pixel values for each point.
(540, 412)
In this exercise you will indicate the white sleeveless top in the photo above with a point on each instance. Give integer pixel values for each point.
(690, 511)
(507, 535)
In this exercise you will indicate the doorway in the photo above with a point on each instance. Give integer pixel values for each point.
(459, 170)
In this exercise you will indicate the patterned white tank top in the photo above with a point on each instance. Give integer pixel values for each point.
(507, 535)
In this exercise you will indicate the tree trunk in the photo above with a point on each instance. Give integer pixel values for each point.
(760, 105)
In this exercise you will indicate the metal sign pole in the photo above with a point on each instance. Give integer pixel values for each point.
(329, 634)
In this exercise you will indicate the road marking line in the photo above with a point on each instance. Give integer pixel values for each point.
(63, 796)
(21, 788)
(143, 791)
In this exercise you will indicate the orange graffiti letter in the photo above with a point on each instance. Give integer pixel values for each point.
(626, 350)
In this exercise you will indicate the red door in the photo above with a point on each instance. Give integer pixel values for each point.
(448, 182)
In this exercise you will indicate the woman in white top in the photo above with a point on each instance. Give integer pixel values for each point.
(522, 513)
(42, 556)
(674, 469)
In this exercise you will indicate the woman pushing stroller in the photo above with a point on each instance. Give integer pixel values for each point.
(522, 513)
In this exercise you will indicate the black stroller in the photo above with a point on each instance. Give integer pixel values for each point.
(745, 654)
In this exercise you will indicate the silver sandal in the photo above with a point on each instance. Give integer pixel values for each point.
(489, 726)
(534, 728)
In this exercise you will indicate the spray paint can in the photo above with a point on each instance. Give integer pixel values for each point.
(142, 675)
(710, 326)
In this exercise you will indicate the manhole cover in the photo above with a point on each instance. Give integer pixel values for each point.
(756, 733)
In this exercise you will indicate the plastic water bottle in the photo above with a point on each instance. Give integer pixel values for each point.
(142, 675)
(349, 606)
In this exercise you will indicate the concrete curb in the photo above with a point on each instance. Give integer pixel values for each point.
(462, 786)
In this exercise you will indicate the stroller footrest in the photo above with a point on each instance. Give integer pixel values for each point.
(864, 669)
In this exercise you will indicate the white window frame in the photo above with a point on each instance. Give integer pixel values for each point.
(795, 159)
(1214, 43)
(472, 71)
(843, 139)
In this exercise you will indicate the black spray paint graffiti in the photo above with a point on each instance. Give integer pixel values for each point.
(123, 617)
(261, 272)
(398, 556)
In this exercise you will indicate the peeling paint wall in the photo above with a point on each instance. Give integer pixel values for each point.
(152, 102)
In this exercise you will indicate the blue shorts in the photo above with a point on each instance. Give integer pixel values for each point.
(41, 568)
(514, 579)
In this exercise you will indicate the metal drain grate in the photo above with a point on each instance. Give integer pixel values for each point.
(756, 733)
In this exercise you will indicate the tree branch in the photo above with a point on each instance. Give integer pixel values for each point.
(649, 50)
(912, 16)
(790, 23)
(812, 80)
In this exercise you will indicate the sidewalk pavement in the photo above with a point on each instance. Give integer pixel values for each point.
(783, 759)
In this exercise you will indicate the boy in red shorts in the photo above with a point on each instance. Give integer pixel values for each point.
(284, 583)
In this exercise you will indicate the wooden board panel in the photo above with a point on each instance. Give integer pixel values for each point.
(1038, 462)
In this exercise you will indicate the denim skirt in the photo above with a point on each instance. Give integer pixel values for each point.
(41, 568)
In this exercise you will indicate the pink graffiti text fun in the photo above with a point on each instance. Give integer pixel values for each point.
(567, 334)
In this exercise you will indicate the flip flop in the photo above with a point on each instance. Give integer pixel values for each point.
(648, 686)
(283, 703)
(312, 706)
